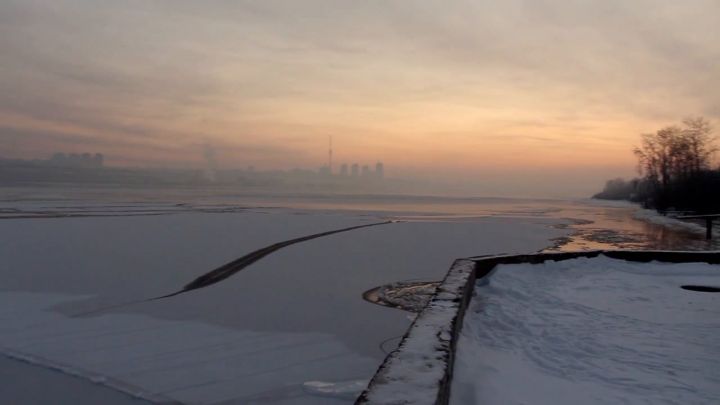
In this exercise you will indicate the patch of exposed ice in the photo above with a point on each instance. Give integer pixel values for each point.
(343, 389)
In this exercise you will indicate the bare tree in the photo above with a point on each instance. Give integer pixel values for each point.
(698, 136)
(657, 153)
(674, 152)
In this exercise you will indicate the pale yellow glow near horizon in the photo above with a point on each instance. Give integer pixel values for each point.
(467, 91)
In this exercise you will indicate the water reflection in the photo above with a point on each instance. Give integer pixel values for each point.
(616, 228)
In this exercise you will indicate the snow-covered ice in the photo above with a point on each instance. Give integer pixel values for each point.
(163, 360)
(21, 380)
(67, 264)
(291, 328)
(591, 331)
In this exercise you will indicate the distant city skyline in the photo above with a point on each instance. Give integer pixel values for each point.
(535, 98)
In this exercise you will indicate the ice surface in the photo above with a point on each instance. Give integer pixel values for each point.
(160, 360)
(21, 383)
(297, 316)
(591, 331)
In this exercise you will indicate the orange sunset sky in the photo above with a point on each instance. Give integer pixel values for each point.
(507, 97)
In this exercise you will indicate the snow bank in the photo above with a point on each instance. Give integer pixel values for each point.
(650, 216)
(608, 203)
(591, 331)
(654, 217)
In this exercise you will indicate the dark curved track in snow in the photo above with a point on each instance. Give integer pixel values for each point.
(227, 270)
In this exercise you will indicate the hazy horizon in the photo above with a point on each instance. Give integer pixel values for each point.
(519, 98)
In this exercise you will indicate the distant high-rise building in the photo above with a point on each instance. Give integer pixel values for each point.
(330, 156)
(211, 168)
(344, 170)
(59, 159)
(77, 160)
(355, 170)
(379, 170)
(366, 171)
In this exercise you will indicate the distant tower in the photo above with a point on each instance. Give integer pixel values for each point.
(355, 170)
(210, 163)
(330, 153)
(344, 170)
(379, 170)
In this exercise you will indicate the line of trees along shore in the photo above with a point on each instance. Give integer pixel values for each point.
(675, 170)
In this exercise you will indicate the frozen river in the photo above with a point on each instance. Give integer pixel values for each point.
(291, 327)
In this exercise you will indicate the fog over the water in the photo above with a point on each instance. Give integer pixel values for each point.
(517, 98)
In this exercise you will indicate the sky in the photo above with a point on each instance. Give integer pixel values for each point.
(536, 97)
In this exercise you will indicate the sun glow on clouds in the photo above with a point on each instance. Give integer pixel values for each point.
(455, 90)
